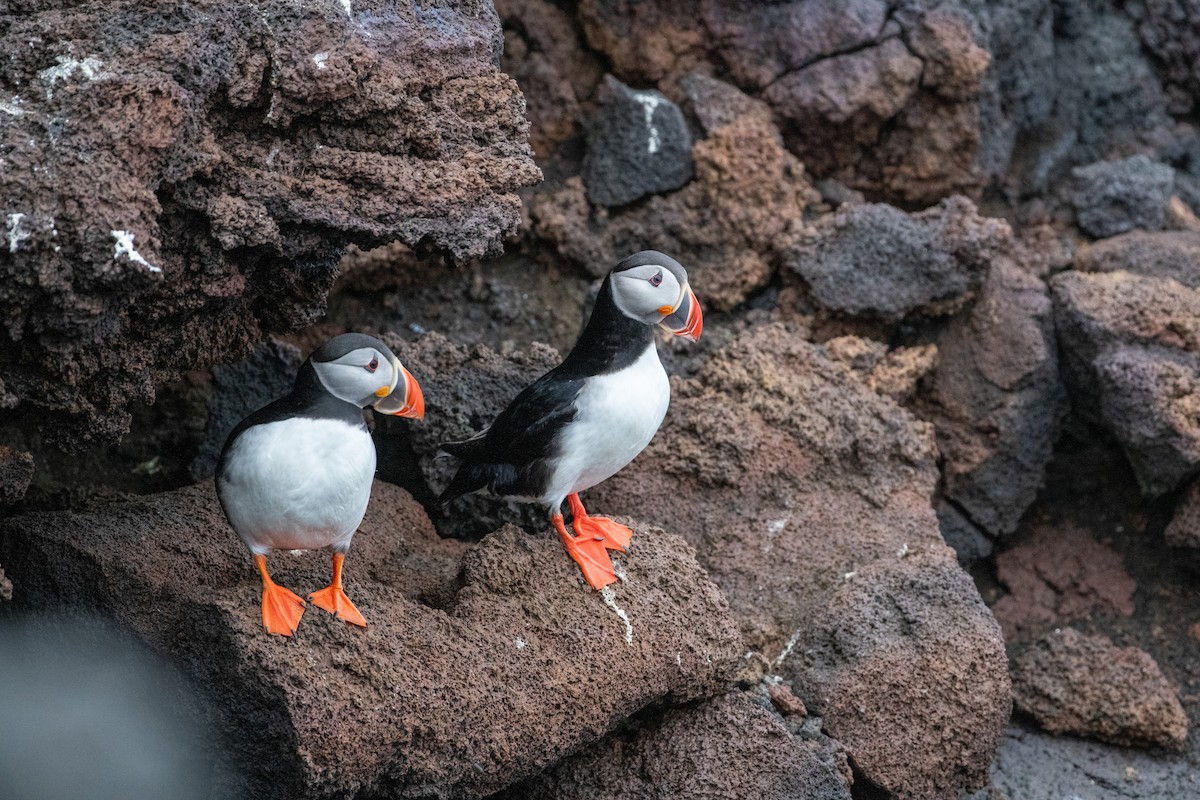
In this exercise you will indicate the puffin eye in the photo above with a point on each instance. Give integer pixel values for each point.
(374, 365)
(657, 279)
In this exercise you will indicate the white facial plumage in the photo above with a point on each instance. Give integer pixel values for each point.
(643, 292)
(359, 376)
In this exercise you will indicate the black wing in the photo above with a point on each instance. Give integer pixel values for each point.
(506, 456)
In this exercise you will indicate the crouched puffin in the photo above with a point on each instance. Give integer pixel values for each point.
(297, 474)
(587, 418)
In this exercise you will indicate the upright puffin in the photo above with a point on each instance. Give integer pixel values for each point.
(296, 474)
(587, 418)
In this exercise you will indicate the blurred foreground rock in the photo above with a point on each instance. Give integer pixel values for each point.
(479, 667)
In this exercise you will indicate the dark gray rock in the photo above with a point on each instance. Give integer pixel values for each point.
(731, 746)
(716, 103)
(1159, 254)
(1184, 529)
(998, 399)
(970, 543)
(877, 260)
(240, 389)
(1117, 196)
(1131, 358)
(638, 144)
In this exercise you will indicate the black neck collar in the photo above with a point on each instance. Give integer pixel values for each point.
(610, 342)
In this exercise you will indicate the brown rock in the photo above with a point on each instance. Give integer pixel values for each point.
(16, 473)
(6, 587)
(785, 702)
(728, 747)
(1087, 686)
(1158, 254)
(1184, 528)
(1131, 357)
(877, 260)
(725, 226)
(997, 400)
(436, 695)
(1057, 575)
(807, 496)
(179, 183)
(647, 43)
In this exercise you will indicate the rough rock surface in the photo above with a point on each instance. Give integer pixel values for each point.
(6, 587)
(1057, 575)
(1131, 357)
(970, 544)
(1161, 254)
(807, 496)
(725, 226)
(465, 389)
(875, 259)
(638, 144)
(16, 473)
(1184, 529)
(1086, 685)
(176, 183)
(728, 747)
(239, 390)
(997, 399)
(1117, 196)
(441, 685)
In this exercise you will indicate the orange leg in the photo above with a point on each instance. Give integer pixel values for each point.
(334, 600)
(589, 554)
(281, 609)
(614, 535)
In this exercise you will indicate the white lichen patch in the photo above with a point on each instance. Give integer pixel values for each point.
(124, 247)
(348, 8)
(610, 599)
(319, 59)
(12, 107)
(519, 643)
(903, 551)
(774, 528)
(650, 102)
(787, 648)
(67, 68)
(16, 232)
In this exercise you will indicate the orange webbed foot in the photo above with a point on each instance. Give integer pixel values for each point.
(334, 600)
(589, 553)
(614, 535)
(281, 610)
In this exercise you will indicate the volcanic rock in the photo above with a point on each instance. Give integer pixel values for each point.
(1116, 196)
(1162, 254)
(16, 473)
(1086, 685)
(997, 399)
(1131, 358)
(638, 144)
(436, 695)
(970, 544)
(877, 260)
(1057, 575)
(177, 183)
(1184, 528)
(725, 226)
(807, 496)
(727, 747)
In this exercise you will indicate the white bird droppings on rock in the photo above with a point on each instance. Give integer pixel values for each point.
(90, 68)
(649, 102)
(610, 600)
(319, 59)
(16, 231)
(124, 246)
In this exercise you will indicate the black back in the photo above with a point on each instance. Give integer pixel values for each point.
(309, 398)
(510, 456)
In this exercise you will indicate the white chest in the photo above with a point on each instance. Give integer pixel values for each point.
(617, 416)
(298, 484)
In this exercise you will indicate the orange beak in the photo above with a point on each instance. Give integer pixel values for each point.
(686, 320)
(407, 403)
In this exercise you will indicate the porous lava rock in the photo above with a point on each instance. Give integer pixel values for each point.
(1160, 254)
(727, 747)
(1059, 574)
(465, 389)
(997, 400)
(874, 259)
(807, 496)
(1131, 358)
(180, 178)
(6, 587)
(638, 144)
(478, 667)
(1117, 196)
(1184, 528)
(725, 226)
(969, 542)
(1085, 685)
(16, 473)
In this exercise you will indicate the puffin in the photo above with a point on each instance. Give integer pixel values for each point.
(297, 473)
(584, 420)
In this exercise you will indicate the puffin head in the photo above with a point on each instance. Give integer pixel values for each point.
(652, 288)
(362, 370)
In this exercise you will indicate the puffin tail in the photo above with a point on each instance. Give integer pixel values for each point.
(469, 478)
